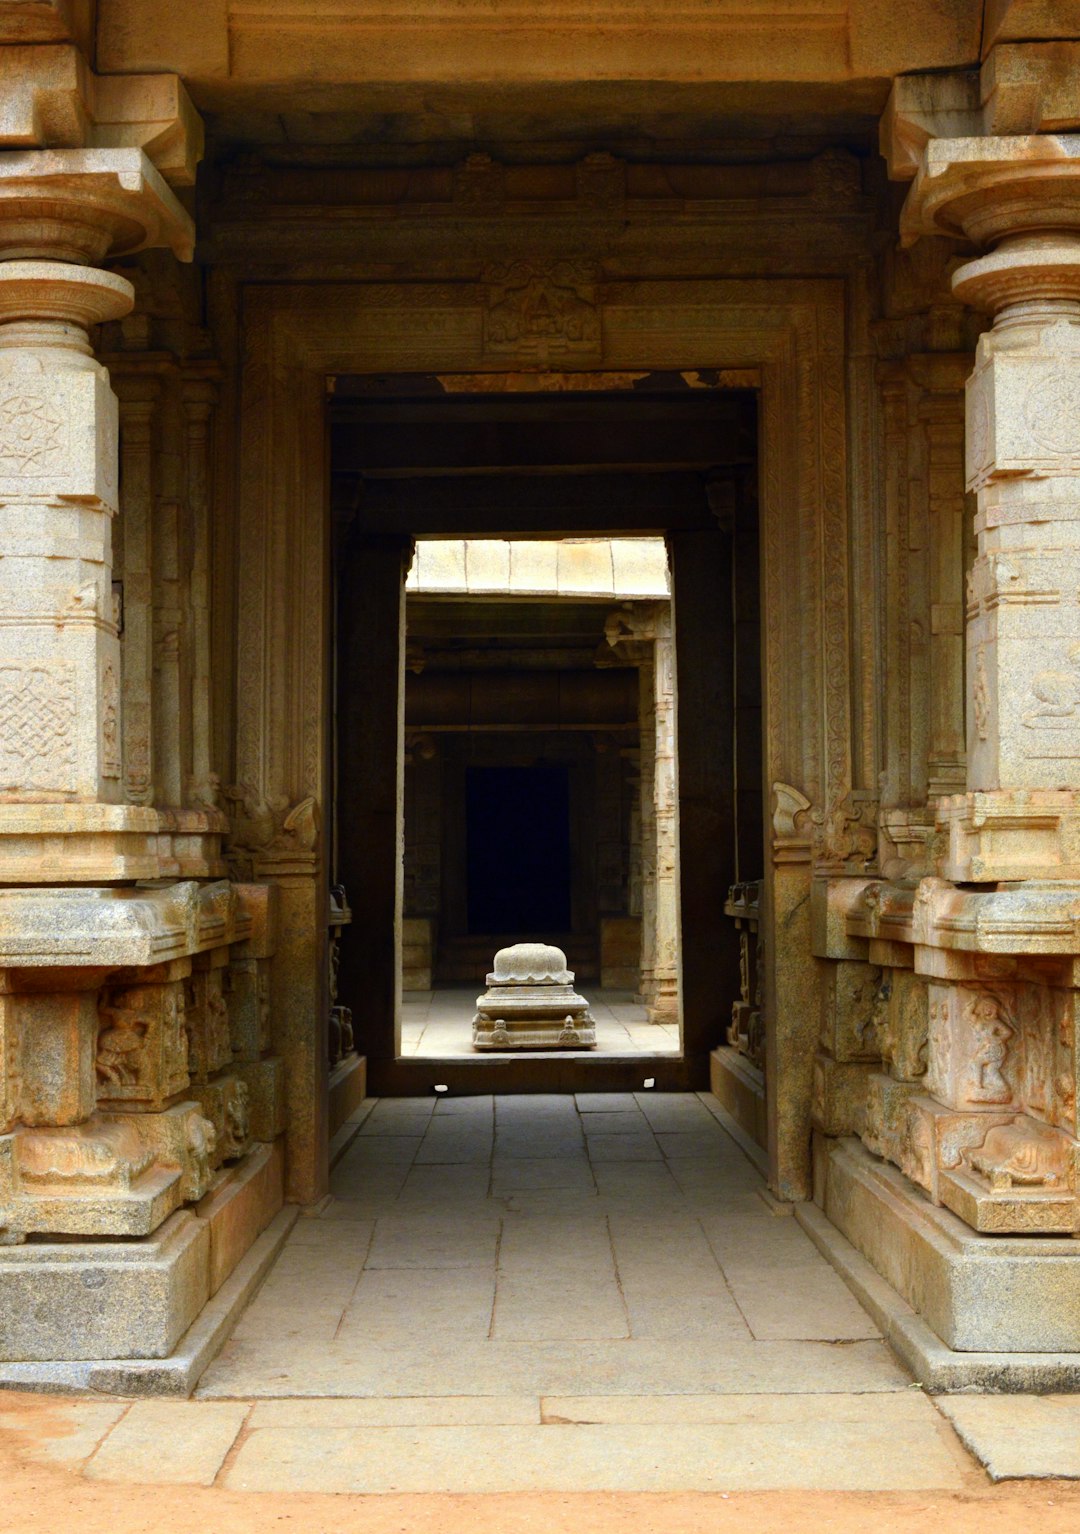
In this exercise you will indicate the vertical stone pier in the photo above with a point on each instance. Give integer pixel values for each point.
(134, 1053)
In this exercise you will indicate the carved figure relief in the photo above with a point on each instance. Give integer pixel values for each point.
(846, 833)
(37, 727)
(981, 695)
(1052, 407)
(990, 1034)
(542, 314)
(121, 1058)
(237, 1125)
(30, 440)
(268, 827)
(110, 722)
(1023, 1153)
(1057, 696)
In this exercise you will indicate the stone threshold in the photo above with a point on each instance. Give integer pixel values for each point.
(180, 1372)
(937, 1367)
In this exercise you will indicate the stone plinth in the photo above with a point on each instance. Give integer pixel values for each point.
(530, 1003)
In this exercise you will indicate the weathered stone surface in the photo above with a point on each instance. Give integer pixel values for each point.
(994, 1294)
(265, 1084)
(130, 1299)
(240, 1206)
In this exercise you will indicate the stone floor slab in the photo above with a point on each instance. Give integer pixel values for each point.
(398, 1411)
(858, 1455)
(1016, 1437)
(175, 1443)
(59, 1432)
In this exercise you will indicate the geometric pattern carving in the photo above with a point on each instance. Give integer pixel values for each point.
(29, 434)
(37, 727)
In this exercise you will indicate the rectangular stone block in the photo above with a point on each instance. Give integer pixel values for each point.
(259, 902)
(224, 1102)
(853, 1011)
(241, 1206)
(98, 1178)
(247, 994)
(104, 1299)
(51, 1036)
(207, 1023)
(839, 1101)
(61, 431)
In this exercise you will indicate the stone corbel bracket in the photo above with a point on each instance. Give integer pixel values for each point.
(1022, 88)
(792, 826)
(50, 98)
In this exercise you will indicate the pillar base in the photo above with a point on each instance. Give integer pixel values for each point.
(72, 1301)
(977, 1294)
(348, 1088)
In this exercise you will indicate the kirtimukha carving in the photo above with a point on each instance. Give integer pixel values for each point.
(530, 1003)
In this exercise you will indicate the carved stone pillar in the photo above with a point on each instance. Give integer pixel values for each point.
(138, 404)
(59, 654)
(642, 635)
(664, 1001)
(1020, 196)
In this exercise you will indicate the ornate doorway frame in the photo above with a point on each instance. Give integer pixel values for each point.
(787, 336)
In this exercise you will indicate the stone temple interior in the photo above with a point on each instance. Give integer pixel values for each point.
(484, 471)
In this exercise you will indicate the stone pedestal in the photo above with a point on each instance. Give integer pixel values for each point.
(530, 1003)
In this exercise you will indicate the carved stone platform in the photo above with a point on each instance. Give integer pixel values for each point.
(977, 1293)
(530, 1003)
(134, 1299)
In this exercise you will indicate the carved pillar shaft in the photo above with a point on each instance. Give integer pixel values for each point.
(664, 1003)
(942, 413)
(171, 716)
(199, 397)
(59, 654)
(1023, 426)
(138, 404)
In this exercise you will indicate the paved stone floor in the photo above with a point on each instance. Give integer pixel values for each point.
(439, 1024)
(551, 1295)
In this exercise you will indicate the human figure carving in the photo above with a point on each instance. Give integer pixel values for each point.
(991, 1034)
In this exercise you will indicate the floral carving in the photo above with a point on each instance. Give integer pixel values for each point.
(29, 434)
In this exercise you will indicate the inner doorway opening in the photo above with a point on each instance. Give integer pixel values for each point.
(490, 701)
(518, 858)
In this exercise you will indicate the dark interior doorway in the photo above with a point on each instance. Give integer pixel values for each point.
(518, 860)
(661, 454)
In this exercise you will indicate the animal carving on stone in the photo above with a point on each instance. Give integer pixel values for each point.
(1057, 696)
(120, 1048)
(1023, 1153)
